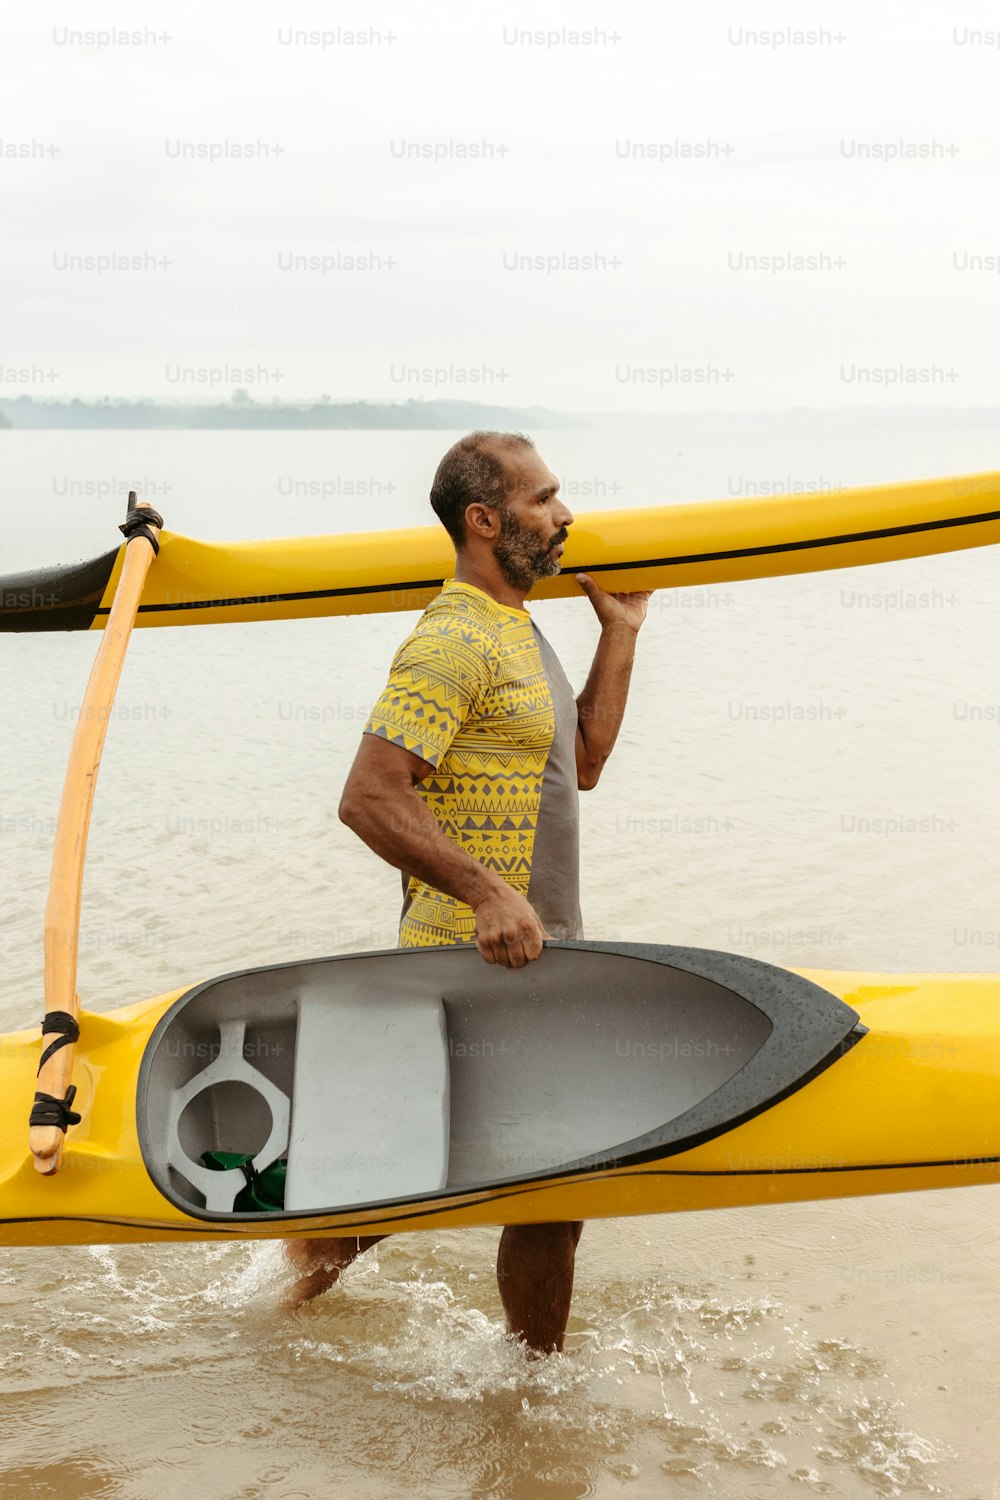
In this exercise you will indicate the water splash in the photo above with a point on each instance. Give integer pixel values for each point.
(704, 1383)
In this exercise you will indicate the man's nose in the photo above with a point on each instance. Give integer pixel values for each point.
(565, 516)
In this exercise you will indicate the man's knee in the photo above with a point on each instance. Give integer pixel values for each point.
(542, 1239)
(304, 1254)
(308, 1255)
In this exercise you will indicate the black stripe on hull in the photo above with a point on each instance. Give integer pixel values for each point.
(207, 1229)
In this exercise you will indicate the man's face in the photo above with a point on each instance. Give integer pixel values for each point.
(533, 521)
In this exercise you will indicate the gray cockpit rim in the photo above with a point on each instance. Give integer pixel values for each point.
(783, 1064)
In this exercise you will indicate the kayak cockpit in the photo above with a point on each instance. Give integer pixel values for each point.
(409, 1074)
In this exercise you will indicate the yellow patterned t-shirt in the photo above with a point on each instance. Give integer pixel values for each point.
(477, 692)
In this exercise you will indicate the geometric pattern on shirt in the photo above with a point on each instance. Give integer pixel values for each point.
(467, 692)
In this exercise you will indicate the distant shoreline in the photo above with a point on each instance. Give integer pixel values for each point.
(26, 413)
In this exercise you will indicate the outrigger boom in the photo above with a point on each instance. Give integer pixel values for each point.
(52, 1111)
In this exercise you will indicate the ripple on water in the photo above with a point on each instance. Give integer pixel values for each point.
(711, 1388)
(80, 1478)
(681, 1369)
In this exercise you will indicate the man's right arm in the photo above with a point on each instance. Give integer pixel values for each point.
(382, 806)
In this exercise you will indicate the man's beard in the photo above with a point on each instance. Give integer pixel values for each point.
(522, 556)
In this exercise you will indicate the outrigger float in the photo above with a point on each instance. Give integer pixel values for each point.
(424, 1089)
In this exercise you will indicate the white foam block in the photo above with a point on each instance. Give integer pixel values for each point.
(370, 1110)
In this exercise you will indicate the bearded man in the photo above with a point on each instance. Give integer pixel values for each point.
(466, 780)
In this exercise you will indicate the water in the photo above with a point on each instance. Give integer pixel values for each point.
(776, 731)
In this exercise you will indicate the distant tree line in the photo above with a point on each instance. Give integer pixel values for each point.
(242, 412)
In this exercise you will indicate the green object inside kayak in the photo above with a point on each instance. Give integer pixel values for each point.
(264, 1192)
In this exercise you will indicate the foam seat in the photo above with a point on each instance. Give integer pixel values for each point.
(370, 1112)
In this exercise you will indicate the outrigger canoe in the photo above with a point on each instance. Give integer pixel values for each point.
(656, 547)
(424, 1089)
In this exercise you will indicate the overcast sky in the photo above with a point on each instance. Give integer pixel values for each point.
(863, 136)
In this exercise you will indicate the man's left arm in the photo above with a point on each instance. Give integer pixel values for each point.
(601, 706)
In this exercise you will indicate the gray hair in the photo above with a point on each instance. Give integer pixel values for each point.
(472, 472)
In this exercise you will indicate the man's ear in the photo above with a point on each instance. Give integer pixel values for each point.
(481, 520)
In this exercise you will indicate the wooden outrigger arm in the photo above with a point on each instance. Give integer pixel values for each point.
(52, 1112)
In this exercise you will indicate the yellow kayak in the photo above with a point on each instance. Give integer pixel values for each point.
(423, 1089)
(668, 546)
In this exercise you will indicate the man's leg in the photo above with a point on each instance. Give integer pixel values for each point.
(319, 1264)
(535, 1277)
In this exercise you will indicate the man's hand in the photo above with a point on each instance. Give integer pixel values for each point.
(508, 929)
(615, 609)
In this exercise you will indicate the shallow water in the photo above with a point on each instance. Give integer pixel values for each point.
(842, 1349)
(691, 1356)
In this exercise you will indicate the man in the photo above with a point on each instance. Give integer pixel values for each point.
(466, 780)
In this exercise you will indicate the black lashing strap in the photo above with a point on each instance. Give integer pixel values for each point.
(137, 523)
(67, 1027)
(47, 1109)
